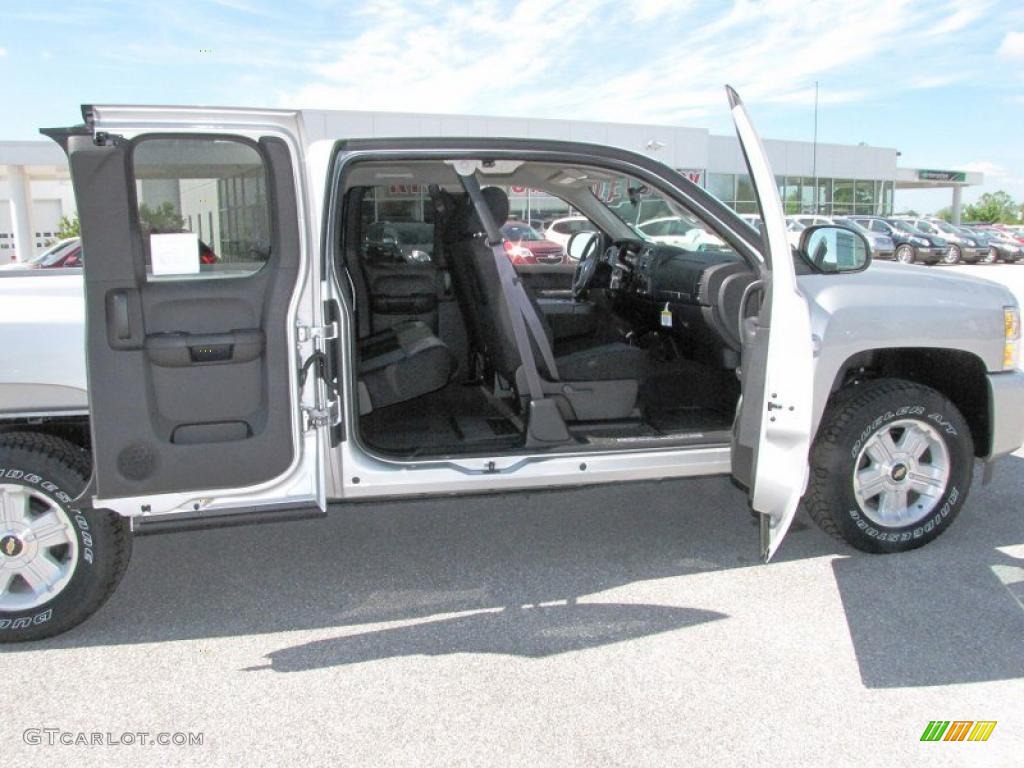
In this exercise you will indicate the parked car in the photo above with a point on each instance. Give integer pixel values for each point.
(681, 232)
(793, 228)
(882, 245)
(525, 245)
(64, 254)
(1016, 234)
(1001, 245)
(912, 245)
(399, 242)
(560, 230)
(131, 405)
(962, 247)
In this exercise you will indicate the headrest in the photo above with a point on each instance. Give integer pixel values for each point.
(497, 202)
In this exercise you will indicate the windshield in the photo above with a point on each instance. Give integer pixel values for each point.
(517, 231)
(852, 225)
(944, 227)
(903, 226)
(53, 254)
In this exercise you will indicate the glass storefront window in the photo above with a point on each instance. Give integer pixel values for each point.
(842, 197)
(864, 197)
(722, 186)
(744, 190)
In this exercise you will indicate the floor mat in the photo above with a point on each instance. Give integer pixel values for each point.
(456, 419)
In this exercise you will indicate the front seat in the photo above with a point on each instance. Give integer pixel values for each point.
(595, 382)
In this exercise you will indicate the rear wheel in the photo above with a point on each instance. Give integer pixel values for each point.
(891, 466)
(905, 254)
(57, 565)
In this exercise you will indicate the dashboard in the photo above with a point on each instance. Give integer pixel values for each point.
(693, 293)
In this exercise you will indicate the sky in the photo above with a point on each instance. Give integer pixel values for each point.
(941, 81)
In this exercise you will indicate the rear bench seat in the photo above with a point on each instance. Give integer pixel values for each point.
(400, 364)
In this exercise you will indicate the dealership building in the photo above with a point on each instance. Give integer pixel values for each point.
(35, 187)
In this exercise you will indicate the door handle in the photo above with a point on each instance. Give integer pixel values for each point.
(120, 323)
(124, 319)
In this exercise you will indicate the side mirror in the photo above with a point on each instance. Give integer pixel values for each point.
(835, 249)
(580, 243)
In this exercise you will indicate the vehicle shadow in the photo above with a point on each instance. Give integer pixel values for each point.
(951, 612)
(517, 567)
(533, 632)
(506, 558)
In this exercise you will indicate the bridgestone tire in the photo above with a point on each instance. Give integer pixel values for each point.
(58, 470)
(852, 417)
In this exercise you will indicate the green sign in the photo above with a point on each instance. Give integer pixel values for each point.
(942, 175)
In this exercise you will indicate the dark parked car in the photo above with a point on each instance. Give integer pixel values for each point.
(962, 246)
(399, 241)
(1002, 246)
(912, 245)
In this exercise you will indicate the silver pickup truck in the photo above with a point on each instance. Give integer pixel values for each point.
(241, 346)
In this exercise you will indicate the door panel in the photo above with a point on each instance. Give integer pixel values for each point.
(773, 427)
(551, 280)
(190, 376)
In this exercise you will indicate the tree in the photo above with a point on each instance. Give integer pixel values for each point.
(68, 227)
(162, 218)
(946, 214)
(992, 208)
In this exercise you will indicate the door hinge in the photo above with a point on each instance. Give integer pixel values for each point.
(327, 416)
(323, 332)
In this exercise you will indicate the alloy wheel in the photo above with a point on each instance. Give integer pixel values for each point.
(38, 548)
(901, 473)
(905, 254)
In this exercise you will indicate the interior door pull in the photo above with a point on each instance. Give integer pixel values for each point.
(120, 322)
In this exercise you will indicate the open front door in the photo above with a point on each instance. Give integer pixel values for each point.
(200, 310)
(773, 428)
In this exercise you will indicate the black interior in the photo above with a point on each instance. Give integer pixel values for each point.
(624, 377)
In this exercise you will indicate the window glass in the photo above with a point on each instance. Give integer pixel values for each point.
(745, 190)
(202, 207)
(722, 186)
(397, 225)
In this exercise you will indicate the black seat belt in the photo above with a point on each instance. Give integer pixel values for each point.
(525, 322)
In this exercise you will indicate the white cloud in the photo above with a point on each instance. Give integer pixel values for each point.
(648, 61)
(1012, 46)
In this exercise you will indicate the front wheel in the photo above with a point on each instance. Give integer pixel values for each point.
(952, 255)
(58, 565)
(991, 257)
(891, 466)
(905, 254)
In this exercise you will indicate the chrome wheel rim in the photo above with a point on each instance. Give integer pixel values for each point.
(901, 473)
(38, 548)
(992, 257)
(952, 255)
(905, 254)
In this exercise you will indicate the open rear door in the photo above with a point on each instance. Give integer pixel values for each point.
(200, 310)
(773, 427)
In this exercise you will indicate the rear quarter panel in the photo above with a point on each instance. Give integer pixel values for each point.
(42, 343)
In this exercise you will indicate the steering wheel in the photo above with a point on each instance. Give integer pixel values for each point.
(586, 269)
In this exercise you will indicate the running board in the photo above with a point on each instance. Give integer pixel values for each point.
(148, 526)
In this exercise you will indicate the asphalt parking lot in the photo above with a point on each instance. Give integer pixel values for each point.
(623, 625)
